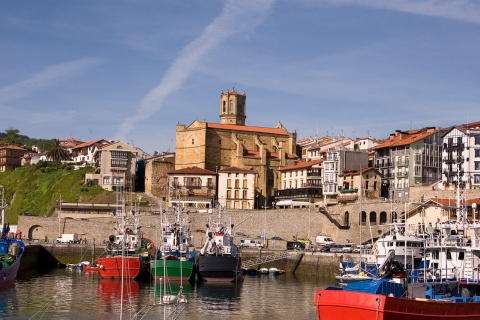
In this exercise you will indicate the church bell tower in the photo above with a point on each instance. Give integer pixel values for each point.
(232, 107)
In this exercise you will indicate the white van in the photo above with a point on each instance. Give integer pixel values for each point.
(248, 243)
(324, 241)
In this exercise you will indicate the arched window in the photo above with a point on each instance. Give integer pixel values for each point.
(383, 217)
(373, 218)
(230, 107)
(346, 219)
(224, 107)
(364, 218)
(270, 178)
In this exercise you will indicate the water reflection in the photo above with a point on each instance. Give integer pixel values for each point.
(64, 294)
(218, 298)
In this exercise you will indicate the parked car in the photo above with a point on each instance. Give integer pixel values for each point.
(336, 248)
(295, 245)
(276, 238)
(249, 243)
(348, 247)
(306, 242)
(239, 234)
(325, 248)
(324, 241)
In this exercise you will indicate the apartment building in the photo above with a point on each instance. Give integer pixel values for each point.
(301, 184)
(411, 158)
(115, 167)
(461, 157)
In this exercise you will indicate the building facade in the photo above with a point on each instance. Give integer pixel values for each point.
(115, 167)
(231, 143)
(301, 185)
(236, 188)
(407, 159)
(11, 157)
(192, 187)
(461, 157)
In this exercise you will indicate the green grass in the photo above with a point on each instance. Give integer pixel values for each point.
(37, 189)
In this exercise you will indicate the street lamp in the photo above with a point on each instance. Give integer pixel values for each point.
(60, 215)
(265, 225)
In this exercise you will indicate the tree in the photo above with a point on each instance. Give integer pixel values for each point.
(56, 152)
(11, 138)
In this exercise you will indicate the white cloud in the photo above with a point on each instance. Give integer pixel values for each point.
(50, 76)
(236, 17)
(462, 10)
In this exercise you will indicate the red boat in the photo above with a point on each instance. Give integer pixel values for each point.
(119, 267)
(363, 304)
(129, 251)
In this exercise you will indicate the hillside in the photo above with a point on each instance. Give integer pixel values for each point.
(37, 189)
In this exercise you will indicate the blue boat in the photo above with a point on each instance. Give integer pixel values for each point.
(11, 250)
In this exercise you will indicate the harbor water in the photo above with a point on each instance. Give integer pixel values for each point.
(73, 294)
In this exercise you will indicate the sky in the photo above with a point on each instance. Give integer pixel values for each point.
(133, 70)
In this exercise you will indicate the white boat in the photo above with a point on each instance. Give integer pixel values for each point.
(263, 271)
(275, 271)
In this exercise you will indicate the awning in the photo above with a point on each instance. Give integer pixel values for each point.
(292, 203)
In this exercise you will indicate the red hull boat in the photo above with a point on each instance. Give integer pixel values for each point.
(339, 304)
(119, 266)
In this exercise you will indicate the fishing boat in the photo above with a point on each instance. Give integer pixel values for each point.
(393, 299)
(129, 251)
(11, 250)
(175, 258)
(219, 259)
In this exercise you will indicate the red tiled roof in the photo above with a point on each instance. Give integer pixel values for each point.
(236, 169)
(301, 165)
(87, 144)
(193, 170)
(10, 146)
(233, 127)
(404, 138)
(453, 202)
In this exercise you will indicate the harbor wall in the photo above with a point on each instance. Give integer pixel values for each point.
(341, 222)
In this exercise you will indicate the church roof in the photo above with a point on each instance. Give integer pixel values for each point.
(233, 127)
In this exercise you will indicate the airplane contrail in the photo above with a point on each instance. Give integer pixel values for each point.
(236, 16)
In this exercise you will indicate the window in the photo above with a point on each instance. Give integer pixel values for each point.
(193, 141)
(477, 153)
(118, 181)
(237, 194)
(270, 178)
(229, 183)
(237, 184)
(477, 140)
(477, 165)
(230, 107)
(245, 185)
(106, 180)
(383, 217)
(244, 194)
(229, 194)
(373, 218)
(476, 178)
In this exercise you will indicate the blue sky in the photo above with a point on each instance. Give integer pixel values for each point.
(132, 70)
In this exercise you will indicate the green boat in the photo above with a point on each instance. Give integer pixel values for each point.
(175, 257)
(172, 269)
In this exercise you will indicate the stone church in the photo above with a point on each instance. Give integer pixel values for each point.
(232, 143)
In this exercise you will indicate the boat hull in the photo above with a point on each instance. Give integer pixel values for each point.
(119, 266)
(176, 270)
(9, 264)
(340, 304)
(220, 268)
